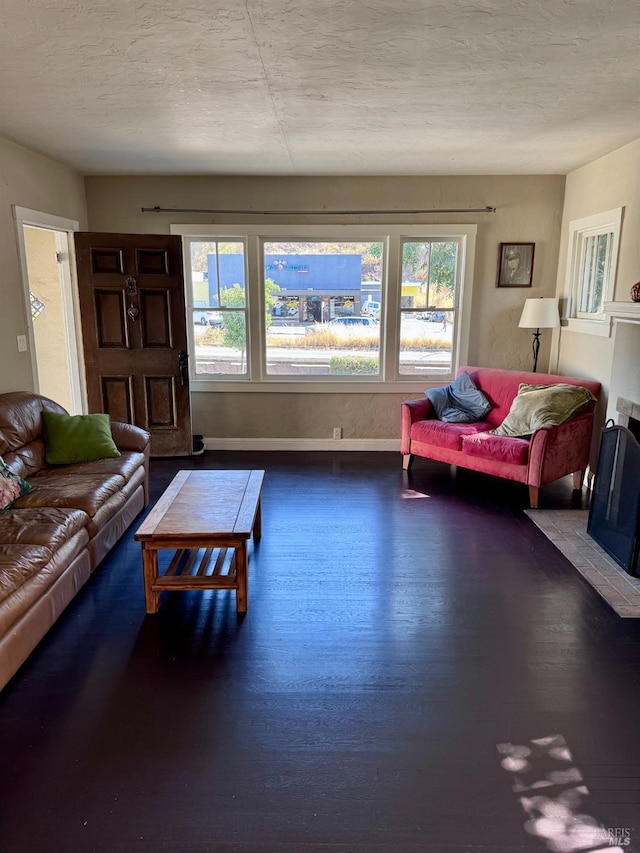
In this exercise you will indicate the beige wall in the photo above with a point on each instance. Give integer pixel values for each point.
(529, 209)
(32, 181)
(308, 416)
(609, 182)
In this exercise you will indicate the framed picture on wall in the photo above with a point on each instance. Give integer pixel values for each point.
(515, 264)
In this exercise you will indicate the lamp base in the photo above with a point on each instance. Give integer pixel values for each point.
(536, 349)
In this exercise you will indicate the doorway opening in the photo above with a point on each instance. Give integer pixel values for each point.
(50, 305)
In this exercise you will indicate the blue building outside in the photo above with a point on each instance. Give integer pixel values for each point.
(312, 287)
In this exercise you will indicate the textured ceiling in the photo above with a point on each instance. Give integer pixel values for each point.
(318, 87)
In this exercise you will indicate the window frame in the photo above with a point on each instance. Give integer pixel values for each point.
(580, 230)
(393, 236)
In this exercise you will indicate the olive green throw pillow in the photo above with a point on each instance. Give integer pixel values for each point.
(77, 438)
(536, 406)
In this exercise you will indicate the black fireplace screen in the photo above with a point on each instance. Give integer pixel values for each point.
(614, 513)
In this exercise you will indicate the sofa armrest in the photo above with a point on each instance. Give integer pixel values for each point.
(412, 411)
(556, 451)
(129, 437)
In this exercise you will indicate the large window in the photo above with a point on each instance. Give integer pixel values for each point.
(591, 268)
(324, 306)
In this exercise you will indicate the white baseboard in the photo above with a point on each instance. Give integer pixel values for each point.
(383, 444)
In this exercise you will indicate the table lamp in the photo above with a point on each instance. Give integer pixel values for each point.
(539, 313)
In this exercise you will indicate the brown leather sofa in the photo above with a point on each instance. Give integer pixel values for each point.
(54, 536)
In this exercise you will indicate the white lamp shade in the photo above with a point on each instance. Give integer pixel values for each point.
(540, 313)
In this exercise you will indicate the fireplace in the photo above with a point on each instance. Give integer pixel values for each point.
(614, 513)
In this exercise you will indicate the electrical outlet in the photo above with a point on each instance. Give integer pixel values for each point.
(337, 432)
(22, 343)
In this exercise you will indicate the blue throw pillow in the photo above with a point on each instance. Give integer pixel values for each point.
(459, 402)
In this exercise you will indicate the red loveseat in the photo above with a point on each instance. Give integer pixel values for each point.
(549, 453)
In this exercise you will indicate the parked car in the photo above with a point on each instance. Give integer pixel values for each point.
(432, 316)
(347, 324)
(353, 321)
(208, 318)
(372, 309)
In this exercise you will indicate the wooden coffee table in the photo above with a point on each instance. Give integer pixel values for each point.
(214, 511)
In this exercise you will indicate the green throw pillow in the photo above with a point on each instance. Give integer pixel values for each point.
(536, 406)
(77, 438)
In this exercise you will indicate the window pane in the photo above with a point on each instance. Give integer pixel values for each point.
(322, 304)
(428, 282)
(218, 282)
(594, 277)
(428, 274)
(425, 343)
(603, 249)
(221, 348)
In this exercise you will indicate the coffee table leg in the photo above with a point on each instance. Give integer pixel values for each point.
(150, 571)
(257, 524)
(241, 577)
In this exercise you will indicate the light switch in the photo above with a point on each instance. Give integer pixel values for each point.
(22, 343)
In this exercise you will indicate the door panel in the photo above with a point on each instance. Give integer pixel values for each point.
(111, 318)
(155, 312)
(131, 294)
(117, 392)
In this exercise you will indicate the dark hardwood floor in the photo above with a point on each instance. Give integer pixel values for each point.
(403, 630)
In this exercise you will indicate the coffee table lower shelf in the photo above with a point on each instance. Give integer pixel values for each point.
(217, 568)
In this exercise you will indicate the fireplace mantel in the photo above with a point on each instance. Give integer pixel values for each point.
(628, 311)
(624, 380)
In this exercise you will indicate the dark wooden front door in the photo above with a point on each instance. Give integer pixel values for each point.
(131, 295)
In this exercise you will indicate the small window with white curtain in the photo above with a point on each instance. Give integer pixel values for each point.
(591, 263)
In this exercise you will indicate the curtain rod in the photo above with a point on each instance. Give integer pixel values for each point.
(311, 212)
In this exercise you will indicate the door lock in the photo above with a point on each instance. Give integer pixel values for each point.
(182, 367)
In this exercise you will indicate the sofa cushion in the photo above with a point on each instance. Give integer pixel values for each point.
(460, 401)
(86, 492)
(124, 466)
(33, 571)
(77, 438)
(11, 487)
(487, 445)
(18, 563)
(50, 527)
(442, 434)
(536, 406)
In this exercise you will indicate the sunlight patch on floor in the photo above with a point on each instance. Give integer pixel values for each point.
(555, 816)
(410, 494)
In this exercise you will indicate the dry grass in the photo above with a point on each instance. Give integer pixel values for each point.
(328, 340)
(325, 339)
(422, 344)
